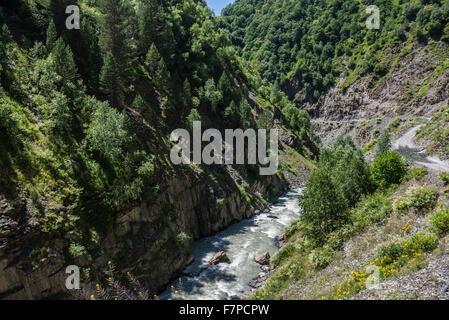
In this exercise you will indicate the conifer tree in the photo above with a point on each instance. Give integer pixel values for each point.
(52, 36)
(152, 59)
(110, 80)
(114, 41)
(64, 62)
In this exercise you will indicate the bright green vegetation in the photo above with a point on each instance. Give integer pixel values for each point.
(437, 132)
(342, 177)
(444, 176)
(86, 116)
(344, 195)
(440, 221)
(417, 198)
(309, 42)
(388, 169)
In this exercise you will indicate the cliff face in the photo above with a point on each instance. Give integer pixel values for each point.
(414, 90)
(152, 239)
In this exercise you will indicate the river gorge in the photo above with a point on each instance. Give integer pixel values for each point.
(241, 242)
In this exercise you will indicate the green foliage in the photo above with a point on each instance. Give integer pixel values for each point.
(52, 36)
(444, 176)
(283, 254)
(339, 182)
(321, 257)
(421, 198)
(383, 143)
(416, 173)
(388, 169)
(107, 133)
(439, 221)
(323, 207)
(303, 44)
(394, 250)
(350, 173)
(194, 115)
(373, 209)
(110, 80)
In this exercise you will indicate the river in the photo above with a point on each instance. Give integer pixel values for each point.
(241, 242)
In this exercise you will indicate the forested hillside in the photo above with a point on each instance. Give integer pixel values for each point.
(85, 123)
(86, 117)
(306, 45)
(374, 212)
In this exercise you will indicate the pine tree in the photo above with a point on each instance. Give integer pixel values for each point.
(275, 96)
(383, 143)
(115, 44)
(149, 19)
(162, 75)
(115, 31)
(64, 62)
(152, 59)
(187, 92)
(245, 114)
(52, 36)
(110, 80)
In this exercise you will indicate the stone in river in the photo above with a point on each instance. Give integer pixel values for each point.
(219, 257)
(263, 259)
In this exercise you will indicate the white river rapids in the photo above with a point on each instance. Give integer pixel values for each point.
(241, 242)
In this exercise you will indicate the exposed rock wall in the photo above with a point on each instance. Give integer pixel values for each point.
(149, 240)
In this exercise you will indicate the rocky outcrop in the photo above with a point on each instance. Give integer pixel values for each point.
(151, 240)
(415, 88)
(263, 259)
(219, 257)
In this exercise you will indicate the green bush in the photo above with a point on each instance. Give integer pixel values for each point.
(439, 221)
(418, 197)
(417, 173)
(321, 257)
(394, 250)
(388, 169)
(324, 208)
(383, 143)
(284, 253)
(422, 197)
(444, 176)
(372, 209)
(390, 251)
(401, 205)
(422, 242)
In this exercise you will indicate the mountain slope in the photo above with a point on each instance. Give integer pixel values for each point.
(86, 117)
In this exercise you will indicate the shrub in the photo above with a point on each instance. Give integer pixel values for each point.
(321, 257)
(383, 143)
(417, 173)
(422, 197)
(390, 251)
(284, 253)
(372, 209)
(422, 242)
(401, 205)
(323, 207)
(388, 169)
(444, 176)
(419, 198)
(439, 221)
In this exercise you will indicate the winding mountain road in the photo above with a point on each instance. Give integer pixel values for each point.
(406, 146)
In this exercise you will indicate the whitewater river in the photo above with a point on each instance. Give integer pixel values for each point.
(241, 242)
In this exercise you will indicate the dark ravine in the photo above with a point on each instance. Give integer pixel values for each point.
(143, 240)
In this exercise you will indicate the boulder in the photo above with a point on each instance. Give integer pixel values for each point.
(219, 257)
(263, 259)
